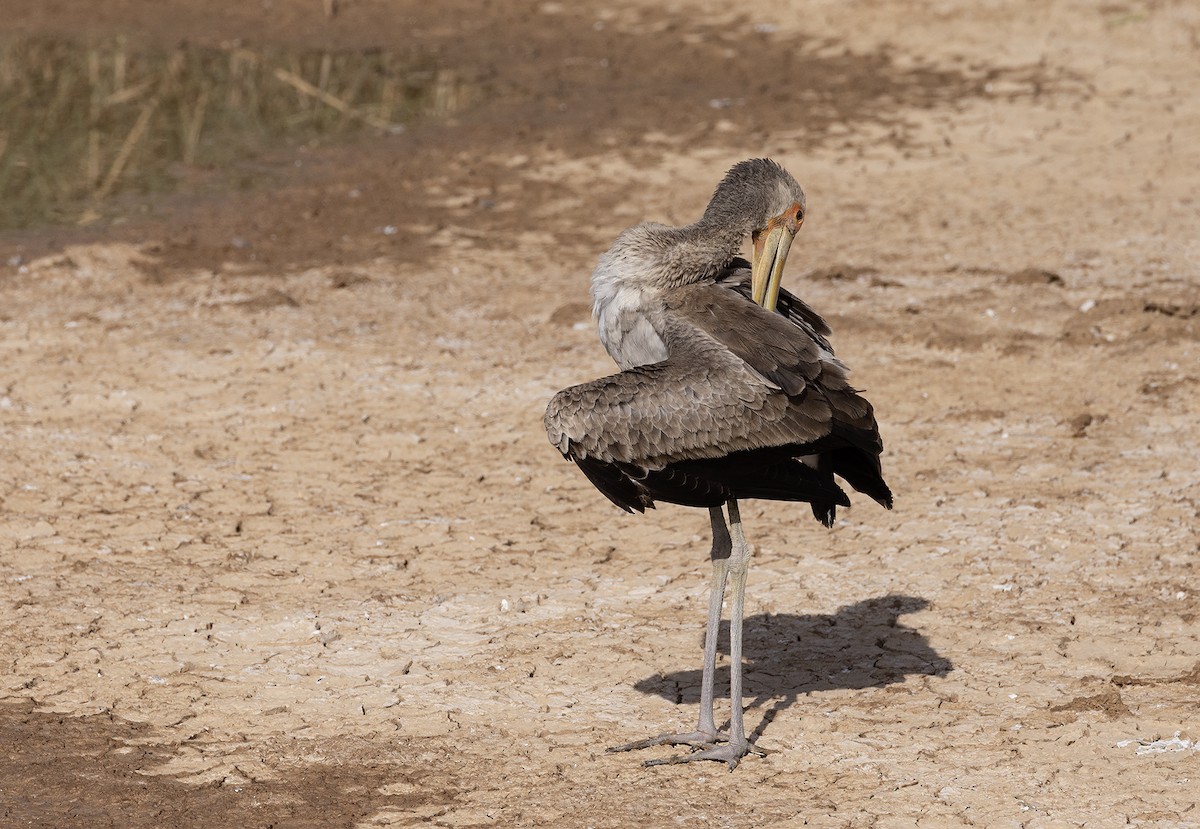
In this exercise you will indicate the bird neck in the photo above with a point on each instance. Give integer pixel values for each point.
(703, 249)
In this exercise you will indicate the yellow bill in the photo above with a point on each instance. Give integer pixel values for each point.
(766, 271)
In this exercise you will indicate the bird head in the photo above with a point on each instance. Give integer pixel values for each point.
(763, 200)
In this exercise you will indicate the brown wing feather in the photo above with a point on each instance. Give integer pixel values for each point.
(767, 342)
(702, 402)
(787, 348)
(797, 311)
(735, 381)
(739, 379)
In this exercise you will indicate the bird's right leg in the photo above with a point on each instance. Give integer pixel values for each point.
(706, 729)
(721, 549)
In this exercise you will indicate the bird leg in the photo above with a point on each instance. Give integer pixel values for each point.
(706, 729)
(721, 549)
(738, 746)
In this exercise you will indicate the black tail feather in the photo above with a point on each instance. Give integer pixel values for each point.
(768, 474)
(862, 471)
(615, 484)
(743, 475)
(823, 510)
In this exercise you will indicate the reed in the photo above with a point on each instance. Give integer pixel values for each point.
(85, 124)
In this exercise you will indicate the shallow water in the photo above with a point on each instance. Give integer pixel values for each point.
(82, 124)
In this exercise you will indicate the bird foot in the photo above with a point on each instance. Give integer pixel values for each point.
(708, 746)
(696, 739)
(729, 753)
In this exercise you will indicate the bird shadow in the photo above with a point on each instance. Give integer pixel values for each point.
(862, 645)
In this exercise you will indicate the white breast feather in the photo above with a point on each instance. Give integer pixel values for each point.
(625, 311)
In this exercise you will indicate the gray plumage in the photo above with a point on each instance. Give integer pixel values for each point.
(717, 398)
(708, 374)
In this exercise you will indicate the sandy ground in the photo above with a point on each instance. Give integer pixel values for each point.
(282, 542)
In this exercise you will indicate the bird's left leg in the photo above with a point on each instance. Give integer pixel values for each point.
(706, 728)
(738, 746)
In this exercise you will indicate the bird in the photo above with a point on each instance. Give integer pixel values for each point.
(728, 389)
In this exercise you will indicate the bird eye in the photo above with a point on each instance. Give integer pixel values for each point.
(799, 216)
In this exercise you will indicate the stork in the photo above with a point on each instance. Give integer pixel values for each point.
(728, 389)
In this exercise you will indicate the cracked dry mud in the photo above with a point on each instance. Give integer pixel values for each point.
(282, 542)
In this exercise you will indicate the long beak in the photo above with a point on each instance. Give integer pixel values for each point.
(766, 271)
